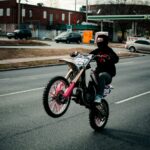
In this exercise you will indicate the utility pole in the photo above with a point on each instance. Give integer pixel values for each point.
(69, 18)
(86, 10)
(75, 4)
(19, 13)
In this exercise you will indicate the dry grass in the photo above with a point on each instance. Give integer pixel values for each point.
(20, 42)
(28, 53)
(46, 52)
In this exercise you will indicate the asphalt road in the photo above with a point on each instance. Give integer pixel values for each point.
(25, 126)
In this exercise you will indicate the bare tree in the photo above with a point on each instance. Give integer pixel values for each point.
(140, 2)
(147, 2)
(127, 7)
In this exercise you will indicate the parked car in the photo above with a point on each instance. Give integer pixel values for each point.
(69, 37)
(20, 34)
(140, 45)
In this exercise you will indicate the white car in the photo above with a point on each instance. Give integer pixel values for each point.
(140, 45)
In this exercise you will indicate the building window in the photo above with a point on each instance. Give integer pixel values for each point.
(44, 14)
(51, 19)
(23, 12)
(8, 11)
(1, 12)
(63, 17)
(30, 13)
(57, 16)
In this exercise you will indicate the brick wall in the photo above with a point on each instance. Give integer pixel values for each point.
(36, 14)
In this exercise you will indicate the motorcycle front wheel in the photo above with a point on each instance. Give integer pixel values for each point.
(99, 117)
(54, 103)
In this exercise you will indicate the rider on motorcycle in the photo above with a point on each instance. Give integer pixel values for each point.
(105, 69)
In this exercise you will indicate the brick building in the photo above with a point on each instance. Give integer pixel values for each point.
(37, 18)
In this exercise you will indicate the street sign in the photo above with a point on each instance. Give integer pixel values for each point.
(69, 28)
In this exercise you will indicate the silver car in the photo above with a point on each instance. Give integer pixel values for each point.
(140, 45)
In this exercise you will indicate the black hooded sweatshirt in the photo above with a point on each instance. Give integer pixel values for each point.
(109, 64)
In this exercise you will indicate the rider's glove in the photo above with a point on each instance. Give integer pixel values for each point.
(74, 54)
(103, 58)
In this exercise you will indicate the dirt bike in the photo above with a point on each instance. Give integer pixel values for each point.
(61, 90)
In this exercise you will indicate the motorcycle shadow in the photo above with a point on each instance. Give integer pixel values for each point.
(123, 136)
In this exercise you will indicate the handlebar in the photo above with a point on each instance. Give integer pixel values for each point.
(101, 56)
(76, 53)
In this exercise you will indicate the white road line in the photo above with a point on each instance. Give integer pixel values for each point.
(125, 63)
(27, 77)
(130, 98)
(19, 92)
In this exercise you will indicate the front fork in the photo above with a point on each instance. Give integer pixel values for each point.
(69, 90)
(68, 74)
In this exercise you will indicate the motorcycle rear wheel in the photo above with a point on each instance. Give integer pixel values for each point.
(99, 118)
(53, 102)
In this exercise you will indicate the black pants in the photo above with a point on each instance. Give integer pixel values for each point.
(104, 78)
